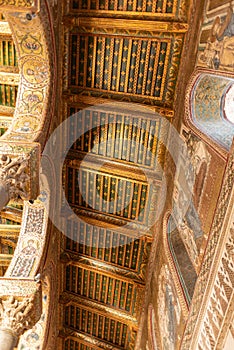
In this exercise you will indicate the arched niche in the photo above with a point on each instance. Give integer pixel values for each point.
(209, 108)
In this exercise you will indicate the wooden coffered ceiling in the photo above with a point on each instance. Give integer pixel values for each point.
(9, 75)
(125, 51)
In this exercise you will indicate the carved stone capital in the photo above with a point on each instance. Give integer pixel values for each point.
(13, 178)
(16, 314)
(21, 308)
(19, 171)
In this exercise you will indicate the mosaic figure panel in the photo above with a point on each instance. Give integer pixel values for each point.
(185, 255)
(169, 311)
(187, 227)
(217, 41)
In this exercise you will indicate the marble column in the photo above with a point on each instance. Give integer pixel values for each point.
(4, 195)
(8, 339)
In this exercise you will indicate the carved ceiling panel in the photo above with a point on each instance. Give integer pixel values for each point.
(141, 8)
(129, 137)
(126, 51)
(9, 77)
(140, 68)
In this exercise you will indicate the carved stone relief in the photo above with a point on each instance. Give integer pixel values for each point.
(13, 178)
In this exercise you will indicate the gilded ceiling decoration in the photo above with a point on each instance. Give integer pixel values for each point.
(131, 53)
(9, 77)
(141, 8)
(113, 267)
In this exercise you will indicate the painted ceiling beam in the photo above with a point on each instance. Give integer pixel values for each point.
(67, 298)
(7, 110)
(12, 214)
(4, 28)
(86, 101)
(110, 221)
(118, 168)
(106, 269)
(5, 259)
(9, 78)
(5, 121)
(105, 23)
(86, 339)
(9, 231)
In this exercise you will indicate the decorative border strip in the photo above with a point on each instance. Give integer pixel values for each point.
(35, 44)
(214, 256)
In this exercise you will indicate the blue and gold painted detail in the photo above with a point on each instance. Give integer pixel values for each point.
(106, 245)
(116, 65)
(108, 194)
(120, 136)
(8, 95)
(207, 107)
(101, 288)
(8, 55)
(182, 260)
(96, 325)
(215, 49)
(158, 8)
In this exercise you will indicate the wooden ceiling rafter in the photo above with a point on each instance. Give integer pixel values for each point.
(126, 52)
(68, 299)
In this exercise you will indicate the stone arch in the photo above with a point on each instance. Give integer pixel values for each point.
(32, 29)
(205, 105)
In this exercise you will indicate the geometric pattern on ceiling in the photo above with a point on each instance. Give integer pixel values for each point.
(101, 288)
(123, 136)
(119, 56)
(8, 56)
(10, 217)
(105, 245)
(8, 91)
(8, 95)
(116, 196)
(141, 7)
(134, 67)
(113, 332)
(103, 285)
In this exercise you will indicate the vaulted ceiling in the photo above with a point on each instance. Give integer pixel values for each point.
(125, 51)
